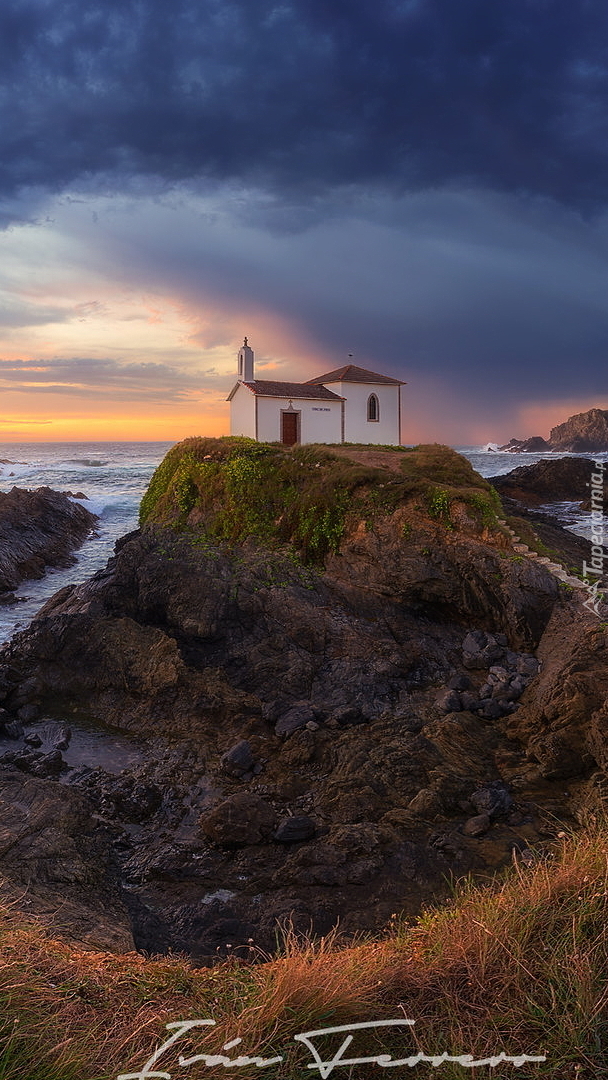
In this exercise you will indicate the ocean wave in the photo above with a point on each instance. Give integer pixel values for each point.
(89, 463)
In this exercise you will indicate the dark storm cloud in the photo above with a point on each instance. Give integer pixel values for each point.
(302, 96)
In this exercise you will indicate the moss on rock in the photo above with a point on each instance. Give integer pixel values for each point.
(235, 488)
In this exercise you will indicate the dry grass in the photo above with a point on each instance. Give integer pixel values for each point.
(520, 968)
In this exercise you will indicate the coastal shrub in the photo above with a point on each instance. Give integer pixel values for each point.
(485, 506)
(438, 503)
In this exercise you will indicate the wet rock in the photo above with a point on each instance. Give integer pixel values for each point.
(61, 740)
(238, 820)
(48, 765)
(534, 445)
(31, 739)
(555, 480)
(293, 829)
(38, 529)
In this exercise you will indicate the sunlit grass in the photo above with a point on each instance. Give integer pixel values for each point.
(520, 967)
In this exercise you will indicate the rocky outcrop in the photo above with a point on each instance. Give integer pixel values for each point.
(38, 529)
(564, 479)
(535, 445)
(320, 743)
(584, 433)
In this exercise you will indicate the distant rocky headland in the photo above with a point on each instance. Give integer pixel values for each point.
(584, 433)
(343, 682)
(38, 529)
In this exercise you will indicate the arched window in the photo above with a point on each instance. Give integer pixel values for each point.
(373, 408)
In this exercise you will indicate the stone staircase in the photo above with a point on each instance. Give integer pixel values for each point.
(555, 568)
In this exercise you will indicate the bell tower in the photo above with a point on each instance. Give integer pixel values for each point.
(245, 363)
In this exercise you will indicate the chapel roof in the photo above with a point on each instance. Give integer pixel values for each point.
(269, 388)
(354, 374)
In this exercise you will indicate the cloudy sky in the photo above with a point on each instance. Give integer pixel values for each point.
(420, 183)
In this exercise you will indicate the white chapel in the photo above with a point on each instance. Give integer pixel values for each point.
(350, 405)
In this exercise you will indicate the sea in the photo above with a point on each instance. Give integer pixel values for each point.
(114, 476)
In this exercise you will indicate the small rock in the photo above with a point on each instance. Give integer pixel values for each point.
(448, 701)
(477, 826)
(481, 650)
(491, 709)
(517, 685)
(32, 739)
(312, 725)
(474, 642)
(238, 760)
(493, 799)
(427, 804)
(527, 665)
(294, 829)
(500, 673)
(460, 682)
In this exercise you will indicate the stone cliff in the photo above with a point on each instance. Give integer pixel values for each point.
(584, 433)
(328, 665)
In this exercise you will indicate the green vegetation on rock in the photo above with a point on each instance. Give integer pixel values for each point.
(234, 488)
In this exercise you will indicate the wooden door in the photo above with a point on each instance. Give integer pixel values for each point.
(289, 428)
